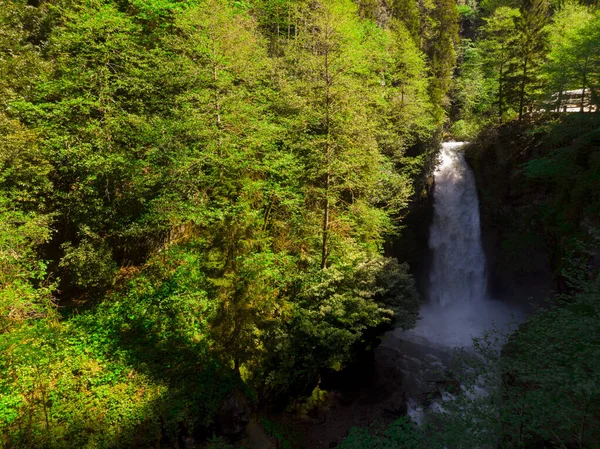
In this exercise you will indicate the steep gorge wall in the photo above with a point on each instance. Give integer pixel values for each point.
(411, 245)
(536, 183)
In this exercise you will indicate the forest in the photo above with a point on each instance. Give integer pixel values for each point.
(198, 200)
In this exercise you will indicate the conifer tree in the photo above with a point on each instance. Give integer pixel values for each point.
(530, 51)
(333, 134)
(408, 12)
(498, 49)
(226, 190)
(407, 111)
(441, 51)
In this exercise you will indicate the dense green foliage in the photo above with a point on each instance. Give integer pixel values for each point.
(523, 57)
(194, 197)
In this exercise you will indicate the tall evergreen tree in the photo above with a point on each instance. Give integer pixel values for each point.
(333, 133)
(441, 51)
(408, 12)
(501, 37)
(530, 50)
(406, 112)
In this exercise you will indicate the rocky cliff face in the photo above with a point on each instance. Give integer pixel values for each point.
(518, 254)
(537, 195)
(412, 244)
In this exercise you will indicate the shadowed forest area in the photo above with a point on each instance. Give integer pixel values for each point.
(197, 200)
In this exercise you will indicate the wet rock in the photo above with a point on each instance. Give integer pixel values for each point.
(234, 414)
(400, 408)
(189, 443)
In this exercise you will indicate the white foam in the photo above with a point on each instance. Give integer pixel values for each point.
(458, 307)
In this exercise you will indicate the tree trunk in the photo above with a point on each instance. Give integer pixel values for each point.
(217, 103)
(582, 426)
(325, 247)
(326, 211)
(584, 82)
(500, 91)
(289, 25)
(522, 417)
(522, 90)
(46, 417)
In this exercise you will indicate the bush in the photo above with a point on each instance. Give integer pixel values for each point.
(89, 264)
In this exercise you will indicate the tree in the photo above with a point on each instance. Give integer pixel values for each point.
(585, 57)
(229, 198)
(441, 52)
(497, 47)
(530, 50)
(406, 113)
(332, 132)
(84, 110)
(408, 12)
(278, 19)
(560, 68)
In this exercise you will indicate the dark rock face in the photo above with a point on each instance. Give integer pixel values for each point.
(234, 414)
(519, 253)
(412, 244)
(189, 443)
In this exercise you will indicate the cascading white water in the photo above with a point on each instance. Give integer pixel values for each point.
(458, 308)
(458, 269)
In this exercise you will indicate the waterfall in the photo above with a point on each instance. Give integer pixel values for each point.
(457, 307)
(458, 268)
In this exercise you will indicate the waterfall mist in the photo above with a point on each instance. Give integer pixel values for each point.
(458, 307)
